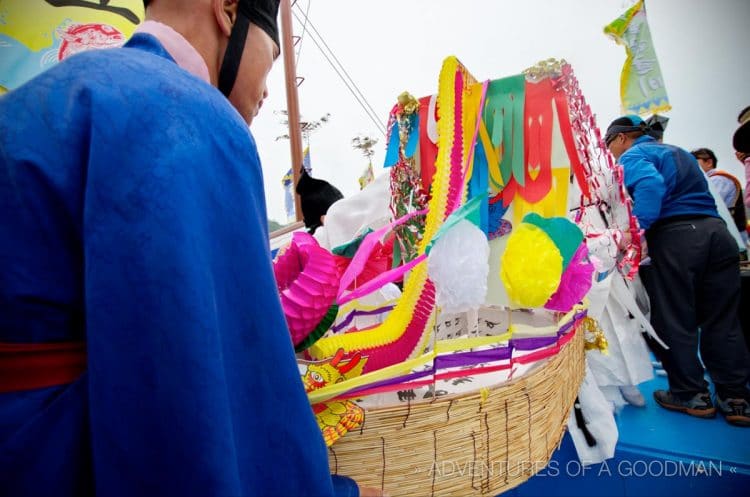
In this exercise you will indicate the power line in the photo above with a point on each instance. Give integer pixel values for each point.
(369, 113)
(348, 81)
(304, 29)
(361, 100)
(312, 26)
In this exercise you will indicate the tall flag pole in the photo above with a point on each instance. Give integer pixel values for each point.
(642, 88)
(292, 99)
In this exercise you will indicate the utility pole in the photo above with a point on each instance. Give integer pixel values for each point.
(292, 99)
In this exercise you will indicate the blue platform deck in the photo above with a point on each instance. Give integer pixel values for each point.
(658, 453)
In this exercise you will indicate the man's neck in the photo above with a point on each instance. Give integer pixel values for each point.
(179, 48)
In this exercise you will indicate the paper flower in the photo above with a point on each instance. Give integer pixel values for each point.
(307, 279)
(458, 265)
(563, 232)
(575, 282)
(531, 266)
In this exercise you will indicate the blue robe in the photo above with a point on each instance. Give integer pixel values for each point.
(132, 216)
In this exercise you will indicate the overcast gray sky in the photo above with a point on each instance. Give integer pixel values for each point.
(389, 46)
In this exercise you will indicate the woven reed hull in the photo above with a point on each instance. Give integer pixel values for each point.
(461, 445)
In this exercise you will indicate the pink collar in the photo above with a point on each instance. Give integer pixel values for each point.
(186, 56)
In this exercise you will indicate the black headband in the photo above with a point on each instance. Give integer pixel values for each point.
(262, 13)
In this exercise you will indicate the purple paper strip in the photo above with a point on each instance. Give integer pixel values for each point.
(532, 343)
(461, 359)
(393, 381)
(346, 322)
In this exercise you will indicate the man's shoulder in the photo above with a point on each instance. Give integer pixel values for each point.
(120, 97)
(634, 154)
(131, 77)
(132, 89)
(720, 175)
(656, 151)
(147, 78)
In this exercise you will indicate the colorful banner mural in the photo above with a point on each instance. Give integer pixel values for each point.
(36, 34)
(642, 88)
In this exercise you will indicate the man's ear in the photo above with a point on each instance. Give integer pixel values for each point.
(225, 12)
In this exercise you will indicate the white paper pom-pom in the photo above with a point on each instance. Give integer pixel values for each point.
(458, 265)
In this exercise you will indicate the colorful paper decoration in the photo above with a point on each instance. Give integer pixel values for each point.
(470, 212)
(566, 235)
(307, 278)
(322, 327)
(575, 283)
(546, 263)
(458, 265)
(407, 194)
(335, 419)
(367, 176)
(602, 184)
(537, 141)
(427, 139)
(404, 333)
(503, 116)
(531, 266)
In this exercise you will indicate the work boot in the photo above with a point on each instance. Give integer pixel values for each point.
(700, 406)
(735, 411)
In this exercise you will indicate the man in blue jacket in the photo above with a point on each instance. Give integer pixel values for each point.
(143, 348)
(695, 274)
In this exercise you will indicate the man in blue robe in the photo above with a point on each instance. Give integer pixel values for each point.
(143, 349)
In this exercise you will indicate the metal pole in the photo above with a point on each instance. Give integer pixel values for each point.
(292, 99)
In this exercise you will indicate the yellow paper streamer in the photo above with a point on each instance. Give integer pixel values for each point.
(395, 325)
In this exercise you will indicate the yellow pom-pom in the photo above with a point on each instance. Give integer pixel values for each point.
(531, 266)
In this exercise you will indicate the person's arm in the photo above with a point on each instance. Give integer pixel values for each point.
(645, 185)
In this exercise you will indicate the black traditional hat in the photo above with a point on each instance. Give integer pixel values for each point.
(741, 139)
(316, 196)
(657, 125)
(263, 14)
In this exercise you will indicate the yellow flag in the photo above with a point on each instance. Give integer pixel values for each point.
(642, 88)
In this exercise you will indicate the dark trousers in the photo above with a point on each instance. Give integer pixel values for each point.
(694, 282)
(646, 274)
(745, 305)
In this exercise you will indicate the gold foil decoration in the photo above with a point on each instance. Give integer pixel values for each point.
(407, 101)
(593, 335)
(549, 68)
